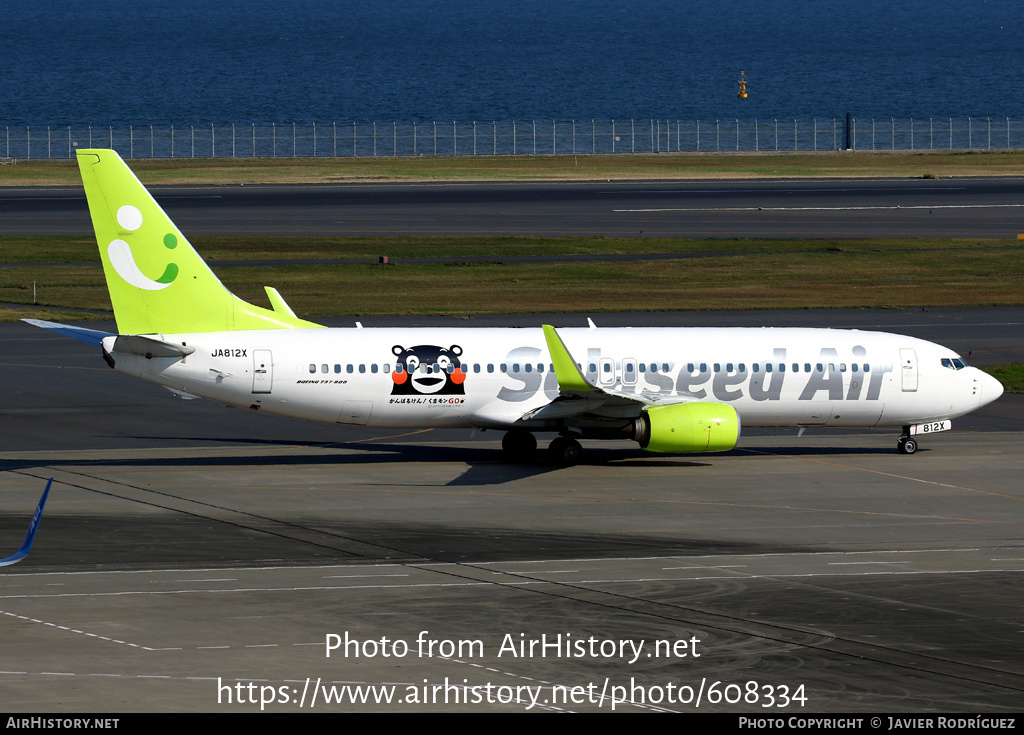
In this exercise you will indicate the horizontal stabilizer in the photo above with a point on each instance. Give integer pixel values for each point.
(135, 344)
(89, 336)
(26, 545)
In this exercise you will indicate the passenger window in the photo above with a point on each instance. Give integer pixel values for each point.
(399, 368)
(807, 367)
(337, 368)
(728, 367)
(842, 367)
(782, 367)
(490, 367)
(312, 368)
(703, 367)
(528, 367)
(854, 367)
(362, 368)
(767, 367)
(755, 367)
(664, 367)
(867, 368)
(387, 368)
(593, 368)
(373, 368)
(796, 368)
(515, 367)
(503, 369)
(323, 368)
(348, 368)
(820, 367)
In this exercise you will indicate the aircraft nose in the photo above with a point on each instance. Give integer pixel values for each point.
(991, 389)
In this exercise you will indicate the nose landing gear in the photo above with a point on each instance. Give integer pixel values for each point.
(906, 444)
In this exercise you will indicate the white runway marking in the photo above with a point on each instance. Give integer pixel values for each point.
(822, 209)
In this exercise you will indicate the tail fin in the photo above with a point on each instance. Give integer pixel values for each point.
(157, 281)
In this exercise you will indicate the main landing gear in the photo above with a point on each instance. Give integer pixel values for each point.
(520, 446)
(565, 450)
(906, 444)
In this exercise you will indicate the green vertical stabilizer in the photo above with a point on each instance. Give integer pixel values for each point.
(157, 281)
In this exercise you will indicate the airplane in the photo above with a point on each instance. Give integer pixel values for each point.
(30, 535)
(675, 390)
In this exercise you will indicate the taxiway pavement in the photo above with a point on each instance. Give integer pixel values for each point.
(189, 551)
(966, 207)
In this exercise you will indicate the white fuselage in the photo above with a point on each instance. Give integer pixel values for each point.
(491, 378)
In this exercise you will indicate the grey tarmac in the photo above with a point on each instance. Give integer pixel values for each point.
(191, 553)
(963, 207)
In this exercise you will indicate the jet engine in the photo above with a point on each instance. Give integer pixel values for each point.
(688, 427)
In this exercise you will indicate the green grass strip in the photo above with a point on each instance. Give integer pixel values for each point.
(767, 274)
(583, 167)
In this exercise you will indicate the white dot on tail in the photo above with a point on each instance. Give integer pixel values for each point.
(129, 217)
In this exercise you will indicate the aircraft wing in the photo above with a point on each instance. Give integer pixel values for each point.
(578, 396)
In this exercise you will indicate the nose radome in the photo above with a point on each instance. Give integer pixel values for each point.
(991, 389)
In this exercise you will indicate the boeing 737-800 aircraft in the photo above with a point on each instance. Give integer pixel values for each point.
(669, 389)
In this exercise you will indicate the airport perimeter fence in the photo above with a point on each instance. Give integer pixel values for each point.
(533, 137)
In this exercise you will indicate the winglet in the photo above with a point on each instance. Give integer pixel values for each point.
(26, 545)
(566, 370)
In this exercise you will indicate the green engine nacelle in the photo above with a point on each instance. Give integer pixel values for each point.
(688, 427)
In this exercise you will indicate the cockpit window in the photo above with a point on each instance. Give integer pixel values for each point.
(953, 363)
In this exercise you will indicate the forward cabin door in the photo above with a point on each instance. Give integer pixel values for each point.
(262, 371)
(908, 368)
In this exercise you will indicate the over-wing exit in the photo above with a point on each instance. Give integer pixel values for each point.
(669, 389)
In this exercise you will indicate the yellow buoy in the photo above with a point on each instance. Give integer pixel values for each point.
(742, 94)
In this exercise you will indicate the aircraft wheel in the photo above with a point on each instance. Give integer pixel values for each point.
(906, 445)
(519, 446)
(565, 451)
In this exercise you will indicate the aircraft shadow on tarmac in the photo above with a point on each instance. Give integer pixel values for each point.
(486, 465)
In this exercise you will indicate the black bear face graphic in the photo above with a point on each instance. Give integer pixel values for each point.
(428, 370)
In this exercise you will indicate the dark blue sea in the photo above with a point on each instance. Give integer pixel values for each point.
(149, 62)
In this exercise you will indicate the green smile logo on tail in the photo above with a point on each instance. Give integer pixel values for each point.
(119, 253)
